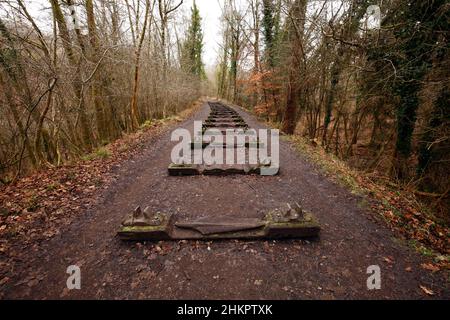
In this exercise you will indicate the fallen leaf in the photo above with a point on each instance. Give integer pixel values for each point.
(388, 260)
(4, 280)
(427, 291)
(429, 266)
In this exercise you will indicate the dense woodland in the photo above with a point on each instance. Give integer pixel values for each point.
(368, 83)
(98, 70)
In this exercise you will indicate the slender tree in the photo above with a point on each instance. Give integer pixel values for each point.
(193, 46)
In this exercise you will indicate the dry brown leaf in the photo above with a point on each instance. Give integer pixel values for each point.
(427, 291)
(389, 260)
(430, 267)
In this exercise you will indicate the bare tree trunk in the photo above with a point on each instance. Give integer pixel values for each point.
(104, 115)
(296, 64)
(18, 121)
(134, 113)
(78, 83)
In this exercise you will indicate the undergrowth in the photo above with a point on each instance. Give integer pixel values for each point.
(397, 206)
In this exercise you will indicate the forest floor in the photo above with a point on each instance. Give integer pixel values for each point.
(73, 214)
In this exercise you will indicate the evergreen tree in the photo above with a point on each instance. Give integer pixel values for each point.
(270, 30)
(193, 46)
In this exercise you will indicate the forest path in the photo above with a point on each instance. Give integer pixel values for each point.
(333, 266)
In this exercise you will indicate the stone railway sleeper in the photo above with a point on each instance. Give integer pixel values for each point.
(289, 221)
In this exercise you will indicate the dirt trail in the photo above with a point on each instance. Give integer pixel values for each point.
(333, 266)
